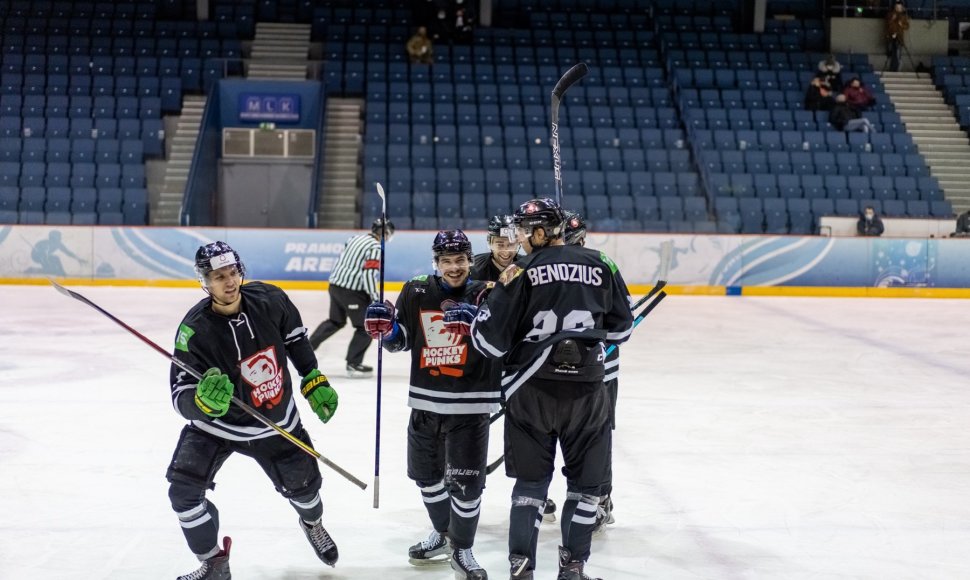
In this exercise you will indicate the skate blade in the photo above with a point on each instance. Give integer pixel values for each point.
(436, 561)
(549, 517)
(359, 375)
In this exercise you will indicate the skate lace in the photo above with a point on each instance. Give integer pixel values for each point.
(198, 574)
(467, 559)
(321, 539)
(434, 541)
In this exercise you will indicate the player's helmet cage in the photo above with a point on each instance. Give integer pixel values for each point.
(540, 213)
(214, 256)
(375, 228)
(451, 242)
(575, 228)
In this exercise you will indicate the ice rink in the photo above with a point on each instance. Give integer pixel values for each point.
(775, 438)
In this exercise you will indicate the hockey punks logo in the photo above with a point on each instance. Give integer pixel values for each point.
(264, 377)
(443, 352)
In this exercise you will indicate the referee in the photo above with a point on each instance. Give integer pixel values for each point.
(354, 285)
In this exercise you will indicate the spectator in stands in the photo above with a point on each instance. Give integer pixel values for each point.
(897, 23)
(463, 27)
(963, 226)
(818, 97)
(858, 95)
(869, 223)
(420, 49)
(830, 69)
(845, 118)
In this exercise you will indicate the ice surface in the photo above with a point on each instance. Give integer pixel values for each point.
(795, 438)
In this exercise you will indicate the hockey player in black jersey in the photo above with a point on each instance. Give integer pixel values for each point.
(502, 250)
(549, 319)
(453, 390)
(575, 235)
(243, 335)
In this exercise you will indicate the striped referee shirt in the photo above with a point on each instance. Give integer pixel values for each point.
(358, 267)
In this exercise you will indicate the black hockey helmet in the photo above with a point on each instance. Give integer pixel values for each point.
(540, 213)
(214, 256)
(451, 242)
(497, 223)
(575, 228)
(375, 228)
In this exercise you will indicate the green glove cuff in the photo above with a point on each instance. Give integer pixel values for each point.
(322, 397)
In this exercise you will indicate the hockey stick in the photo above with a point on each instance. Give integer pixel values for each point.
(198, 376)
(380, 361)
(569, 79)
(666, 256)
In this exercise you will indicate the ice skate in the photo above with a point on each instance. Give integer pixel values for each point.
(466, 567)
(518, 567)
(427, 551)
(359, 371)
(549, 511)
(321, 541)
(214, 568)
(604, 515)
(570, 569)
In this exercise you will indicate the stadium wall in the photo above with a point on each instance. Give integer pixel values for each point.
(301, 258)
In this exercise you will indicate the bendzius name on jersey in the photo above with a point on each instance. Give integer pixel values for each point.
(581, 273)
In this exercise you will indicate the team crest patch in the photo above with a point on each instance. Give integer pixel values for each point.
(264, 377)
(442, 349)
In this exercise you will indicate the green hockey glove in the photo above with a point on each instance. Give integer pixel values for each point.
(322, 397)
(214, 393)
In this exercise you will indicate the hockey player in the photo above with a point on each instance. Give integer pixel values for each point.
(550, 319)
(575, 235)
(453, 390)
(243, 335)
(353, 285)
(503, 250)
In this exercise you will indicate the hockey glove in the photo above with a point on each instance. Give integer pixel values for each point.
(379, 319)
(322, 397)
(459, 318)
(213, 393)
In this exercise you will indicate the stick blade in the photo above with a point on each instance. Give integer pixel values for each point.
(60, 288)
(569, 79)
(380, 192)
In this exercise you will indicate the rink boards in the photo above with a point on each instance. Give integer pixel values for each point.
(300, 258)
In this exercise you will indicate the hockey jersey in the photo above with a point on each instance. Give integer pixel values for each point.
(484, 269)
(448, 376)
(251, 347)
(559, 292)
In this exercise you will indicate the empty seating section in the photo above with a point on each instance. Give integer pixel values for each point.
(83, 90)
(469, 137)
(683, 124)
(768, 165)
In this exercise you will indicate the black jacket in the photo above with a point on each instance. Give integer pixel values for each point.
(252, 348)
(870, 228)
(841, 114)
